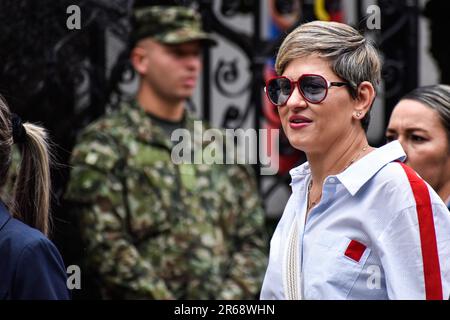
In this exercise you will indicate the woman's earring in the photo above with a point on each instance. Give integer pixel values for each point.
(358, 114)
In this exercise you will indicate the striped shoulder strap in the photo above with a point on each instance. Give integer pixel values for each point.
(430, 257)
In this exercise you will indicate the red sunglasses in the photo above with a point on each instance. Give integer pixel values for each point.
(312, 87)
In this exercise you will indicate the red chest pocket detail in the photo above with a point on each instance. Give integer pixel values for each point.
(355, 250)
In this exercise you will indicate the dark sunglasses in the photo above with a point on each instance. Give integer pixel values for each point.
(312, 87)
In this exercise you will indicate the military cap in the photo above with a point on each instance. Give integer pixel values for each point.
(169, 25)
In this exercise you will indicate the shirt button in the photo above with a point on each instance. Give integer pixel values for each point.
(332, 180)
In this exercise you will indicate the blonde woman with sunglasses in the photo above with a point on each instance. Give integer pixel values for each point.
(359, 223)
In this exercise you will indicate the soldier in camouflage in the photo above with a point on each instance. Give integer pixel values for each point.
(153, 229)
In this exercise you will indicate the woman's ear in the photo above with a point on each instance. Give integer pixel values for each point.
(139, 60)
(364, 100)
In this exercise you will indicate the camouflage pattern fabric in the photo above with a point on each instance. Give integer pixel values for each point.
(169, 25)
(156, 230)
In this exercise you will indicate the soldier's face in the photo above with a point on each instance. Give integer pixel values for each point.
(172, 70)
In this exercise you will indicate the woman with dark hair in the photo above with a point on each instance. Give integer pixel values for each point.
(30, 265)
(421, 123)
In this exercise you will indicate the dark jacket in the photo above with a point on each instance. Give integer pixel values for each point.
(30, 265)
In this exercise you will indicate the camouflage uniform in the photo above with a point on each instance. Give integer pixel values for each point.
(153, 229)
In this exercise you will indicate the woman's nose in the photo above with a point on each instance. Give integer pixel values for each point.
(296, 100)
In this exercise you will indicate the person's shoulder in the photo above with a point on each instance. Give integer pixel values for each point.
(392, 172)
(392, 181)
(113, 123)
(33, 268)
(21, 236)
(102, 142)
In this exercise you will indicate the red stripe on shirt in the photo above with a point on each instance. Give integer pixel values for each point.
(430, 257)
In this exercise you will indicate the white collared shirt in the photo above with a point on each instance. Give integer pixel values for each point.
(361, 241)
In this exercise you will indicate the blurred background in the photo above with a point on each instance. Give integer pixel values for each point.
(64, 77)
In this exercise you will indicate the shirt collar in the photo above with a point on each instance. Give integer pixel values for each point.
(364, 169)
(355, 176)
(299, 173)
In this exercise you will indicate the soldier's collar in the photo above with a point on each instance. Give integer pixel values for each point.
(168, 122)
(187, 114)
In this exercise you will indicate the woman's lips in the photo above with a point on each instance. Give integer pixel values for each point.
(299, 122)
(296, 126)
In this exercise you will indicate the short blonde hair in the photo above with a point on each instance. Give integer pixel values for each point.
(352, 57)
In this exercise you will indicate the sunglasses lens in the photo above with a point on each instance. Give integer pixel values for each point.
(279, 90)
(314, 88)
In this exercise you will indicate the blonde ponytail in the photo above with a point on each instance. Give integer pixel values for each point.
(32, 188)
(31, 196)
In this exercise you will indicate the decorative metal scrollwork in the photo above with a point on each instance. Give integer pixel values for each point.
(227, 73)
